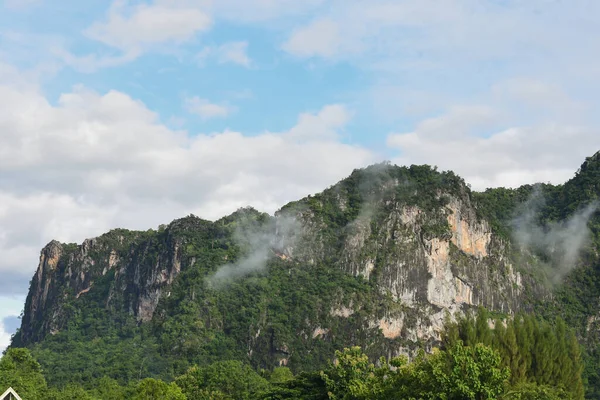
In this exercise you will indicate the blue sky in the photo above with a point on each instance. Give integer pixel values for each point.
(133, 113)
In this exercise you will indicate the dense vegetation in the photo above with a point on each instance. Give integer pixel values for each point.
(208, 341)
(526, 359)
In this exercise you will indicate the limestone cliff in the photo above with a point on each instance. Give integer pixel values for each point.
(133, 267)
(431, 260)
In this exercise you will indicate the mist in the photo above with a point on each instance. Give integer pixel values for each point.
(259, 242)
(560, 243)
(371, 188)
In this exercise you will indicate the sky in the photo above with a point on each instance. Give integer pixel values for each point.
(133, 113)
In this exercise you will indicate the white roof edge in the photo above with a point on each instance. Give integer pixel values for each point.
(10, 391)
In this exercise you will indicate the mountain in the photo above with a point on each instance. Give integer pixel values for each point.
(381, 260)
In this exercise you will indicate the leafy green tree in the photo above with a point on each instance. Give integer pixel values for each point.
(231, 378)
(305, 386)
(109, 389)
(70, 392)
(353, 376)
(532, 391)
(459, 373)
(281, 375)
(483, 332)
(19, 370)
(154, 389)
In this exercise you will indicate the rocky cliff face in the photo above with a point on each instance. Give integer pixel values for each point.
(134, 269)
(433, 262)
(412, 238)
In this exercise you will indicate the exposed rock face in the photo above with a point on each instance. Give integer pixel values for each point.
(42, 289)
(391, 328)
(68, 272)
(469, 235)
(429, 274)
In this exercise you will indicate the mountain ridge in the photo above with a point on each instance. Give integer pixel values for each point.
(399, 248)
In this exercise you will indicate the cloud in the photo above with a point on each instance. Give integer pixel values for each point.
(205, 109)
(324, 125)
(320, 38)
(95, 161)
(473, 142)
(167, 25)
(454, 50)
(559, 243)
(448, 29)
(234, 52)
(539, 96)
(258, 244)
(132, 29)
(231, 52)
(4, 338)
(93, 62)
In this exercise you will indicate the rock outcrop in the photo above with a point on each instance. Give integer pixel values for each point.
(133, 277)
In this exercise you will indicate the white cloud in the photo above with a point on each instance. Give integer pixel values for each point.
(93, 62)
(234, 52)
(231, 52)
(325, 125)
(205, 109)
(509, 157)
(4, 338)
(451, 29)
(539, 96)
(97, 161)
(320, 38)
(456, 49)
(132, 29)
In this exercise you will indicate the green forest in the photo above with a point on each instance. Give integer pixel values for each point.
(293, 329)
(517, 358)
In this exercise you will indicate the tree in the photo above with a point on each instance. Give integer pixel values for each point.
(281, 375)
(513, 355)
(305, 386)
(109, 389)
(70, 392)
(461, 372)
(232, 378)
(467, 329)
(482, 329)
(19, 370)
(573, 381)
(154, 389)
(533, 391)
(352, 376)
